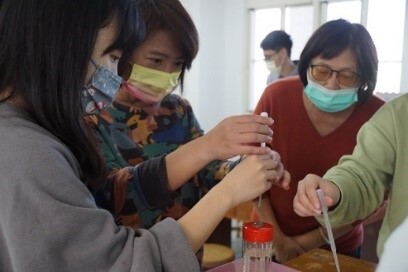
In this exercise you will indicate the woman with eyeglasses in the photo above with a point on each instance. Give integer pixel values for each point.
(317, 116)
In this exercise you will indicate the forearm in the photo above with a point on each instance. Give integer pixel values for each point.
(197, 225)
(248, 180)
(186, 161)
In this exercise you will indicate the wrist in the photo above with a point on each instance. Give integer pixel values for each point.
(203, 149)
(228, 199)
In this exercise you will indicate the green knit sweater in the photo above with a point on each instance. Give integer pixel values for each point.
(379, 163)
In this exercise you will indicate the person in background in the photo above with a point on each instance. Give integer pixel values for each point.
(355, 187)
(317, 116)
(53, 68)
(277, 47)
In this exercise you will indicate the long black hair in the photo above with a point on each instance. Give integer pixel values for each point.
(45, 50)
(331, 39)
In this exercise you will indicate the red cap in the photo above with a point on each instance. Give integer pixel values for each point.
(257, 232)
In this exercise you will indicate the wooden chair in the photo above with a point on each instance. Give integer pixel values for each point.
(216, 255)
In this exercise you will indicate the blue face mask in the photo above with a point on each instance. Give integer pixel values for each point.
(100, 93)
(330, 100)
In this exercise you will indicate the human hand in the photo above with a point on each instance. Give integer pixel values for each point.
(306, 202)
(282, 177)
(239, 135)
(249, 179)
(286, 248)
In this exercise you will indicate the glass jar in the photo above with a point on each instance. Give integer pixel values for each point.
(257, 246)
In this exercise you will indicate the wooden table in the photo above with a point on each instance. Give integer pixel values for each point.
(320, 260)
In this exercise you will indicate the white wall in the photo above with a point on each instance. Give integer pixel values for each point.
(216, 85)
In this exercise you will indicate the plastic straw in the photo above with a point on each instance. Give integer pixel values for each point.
(320, 195)
(263, 145)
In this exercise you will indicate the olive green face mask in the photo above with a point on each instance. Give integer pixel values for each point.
(151, 85)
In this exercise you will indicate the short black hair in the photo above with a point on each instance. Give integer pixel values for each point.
(276, 40)
(168, 15)
(331, 39)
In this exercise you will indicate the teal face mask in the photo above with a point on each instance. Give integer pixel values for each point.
(330, 100)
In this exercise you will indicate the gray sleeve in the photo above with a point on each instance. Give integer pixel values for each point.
(50, 222)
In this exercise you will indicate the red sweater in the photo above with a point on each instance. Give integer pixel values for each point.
(304, 151)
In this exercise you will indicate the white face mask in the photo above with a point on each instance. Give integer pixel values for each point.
(272, 67)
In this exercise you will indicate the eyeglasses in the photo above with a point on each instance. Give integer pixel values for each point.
(346, 78)
(271, 57)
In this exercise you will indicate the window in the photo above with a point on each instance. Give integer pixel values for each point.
(385, 22)
(298, 23)
(349, 10)
(263, 22)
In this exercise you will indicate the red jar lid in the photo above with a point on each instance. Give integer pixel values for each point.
(257, 233)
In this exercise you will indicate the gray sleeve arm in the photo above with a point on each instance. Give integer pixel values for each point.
(50, 222)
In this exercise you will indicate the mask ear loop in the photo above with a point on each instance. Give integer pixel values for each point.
(87, 86)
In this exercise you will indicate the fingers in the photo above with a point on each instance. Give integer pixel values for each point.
(253, 118)
(251, 124)
(282, 178)
(240, 135)
(275, 155)
(279, 166)
(268, 186)
(305, 202)
(234, 133)
(303, 210)
(283, 181)
(275, 171)
(267, 167)
(252, 150)
(229, 139)
(251, 177)
(251, 137)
